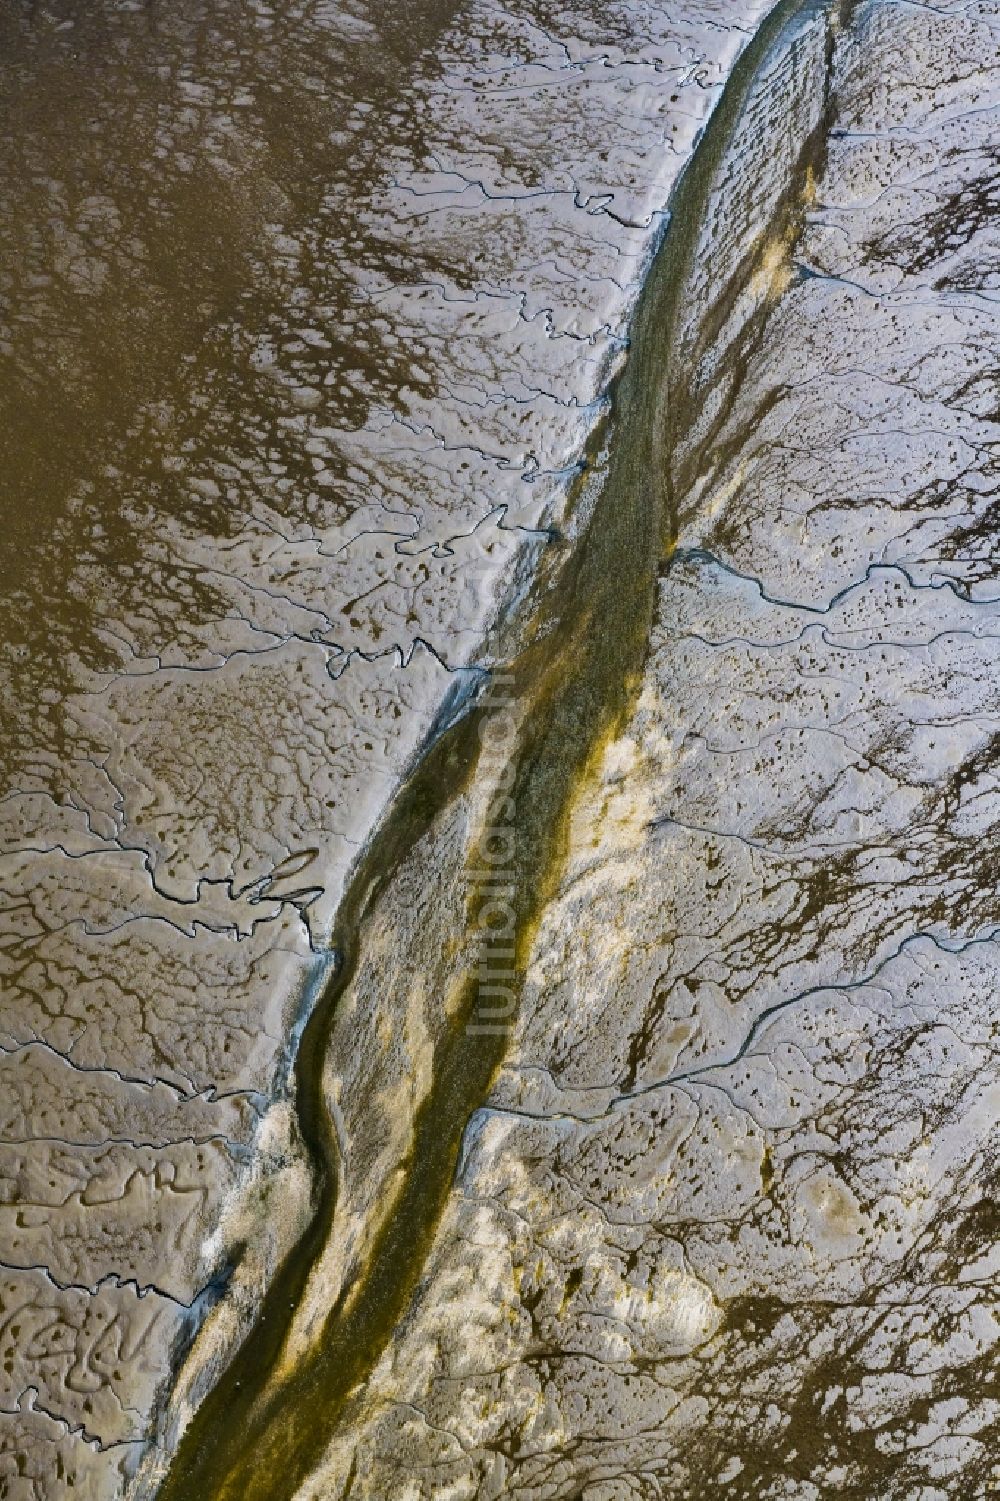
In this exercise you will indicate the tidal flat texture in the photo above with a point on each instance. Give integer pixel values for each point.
(335, 427)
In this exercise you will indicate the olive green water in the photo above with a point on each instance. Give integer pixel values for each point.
(258, 1435)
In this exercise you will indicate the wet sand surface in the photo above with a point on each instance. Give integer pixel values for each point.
(684, 1182)
(306, 312)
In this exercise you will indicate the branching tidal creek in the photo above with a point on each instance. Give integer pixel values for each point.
(576, 649)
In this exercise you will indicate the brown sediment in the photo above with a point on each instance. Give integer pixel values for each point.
(264, 1427)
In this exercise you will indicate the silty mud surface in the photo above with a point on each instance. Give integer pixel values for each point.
(724, 1220)
(306, 313)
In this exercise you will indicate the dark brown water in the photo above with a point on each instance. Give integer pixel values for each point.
(154, 161)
